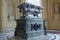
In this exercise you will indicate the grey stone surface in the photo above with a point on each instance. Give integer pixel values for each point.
(30, 27)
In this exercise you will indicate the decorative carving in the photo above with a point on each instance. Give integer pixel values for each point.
(27, 9)
(27, 25)
(35, 26)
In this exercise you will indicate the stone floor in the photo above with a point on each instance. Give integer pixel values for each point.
(54, 36)
(4, 36)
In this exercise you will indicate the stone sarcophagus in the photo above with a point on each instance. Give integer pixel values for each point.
(30, 27)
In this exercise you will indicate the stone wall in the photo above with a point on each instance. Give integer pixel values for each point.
(7, 15)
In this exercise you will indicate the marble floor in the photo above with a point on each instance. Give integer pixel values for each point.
(4, 36)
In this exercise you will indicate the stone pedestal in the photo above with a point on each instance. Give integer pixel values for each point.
(30, 27)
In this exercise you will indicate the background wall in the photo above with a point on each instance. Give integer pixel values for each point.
(7, 15)
(51, 15)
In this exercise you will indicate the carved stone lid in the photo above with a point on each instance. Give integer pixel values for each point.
(27, 8)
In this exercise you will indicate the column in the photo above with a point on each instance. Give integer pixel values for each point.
(0, 18)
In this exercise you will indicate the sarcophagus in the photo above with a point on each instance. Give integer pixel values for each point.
(30, 27)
